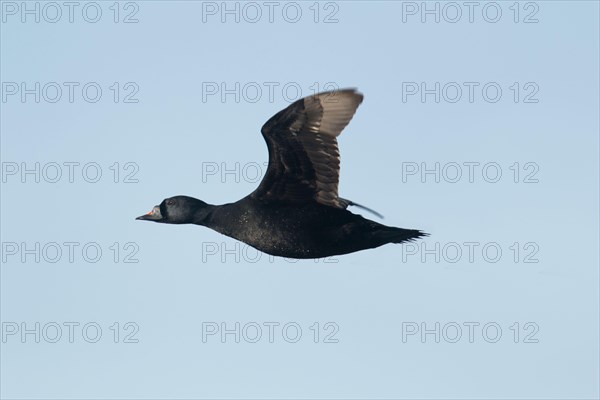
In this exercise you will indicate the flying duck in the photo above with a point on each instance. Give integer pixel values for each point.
(296, 211)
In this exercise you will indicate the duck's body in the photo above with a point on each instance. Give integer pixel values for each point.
(296, 211)
(308, 231)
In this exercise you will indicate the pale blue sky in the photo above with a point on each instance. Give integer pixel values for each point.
(189, 278)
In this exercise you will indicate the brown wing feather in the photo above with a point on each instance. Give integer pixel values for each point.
(304, 160)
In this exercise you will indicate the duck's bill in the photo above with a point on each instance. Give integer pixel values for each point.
(153, 215)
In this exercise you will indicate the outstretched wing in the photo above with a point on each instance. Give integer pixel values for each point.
(304, 160)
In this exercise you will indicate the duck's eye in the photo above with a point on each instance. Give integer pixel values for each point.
(170, 202)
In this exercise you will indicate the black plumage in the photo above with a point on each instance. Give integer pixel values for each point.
(296, 211)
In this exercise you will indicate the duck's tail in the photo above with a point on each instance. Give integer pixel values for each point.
(390, 234)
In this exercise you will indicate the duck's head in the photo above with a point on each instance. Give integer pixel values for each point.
(177, 210)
